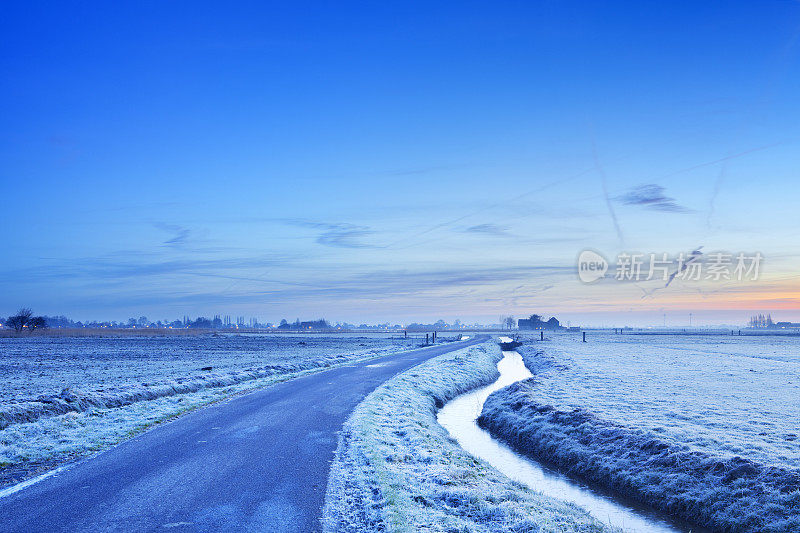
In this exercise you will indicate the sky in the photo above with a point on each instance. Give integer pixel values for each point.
(374, 162)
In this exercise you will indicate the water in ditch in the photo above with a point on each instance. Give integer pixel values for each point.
(459, 418)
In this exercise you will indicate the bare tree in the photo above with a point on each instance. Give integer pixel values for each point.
(20, 320)
(508, 321)
(15, 323)
(36, 322)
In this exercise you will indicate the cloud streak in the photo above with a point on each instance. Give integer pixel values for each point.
(651, 196)
(346, 236)
(489, 229)
(180, 234)
(336, 234)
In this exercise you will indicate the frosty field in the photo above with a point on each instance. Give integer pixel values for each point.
(701, 427)
(44, 365)
(726, 395)
(62, 397)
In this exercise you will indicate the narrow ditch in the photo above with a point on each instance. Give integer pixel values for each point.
(459, 416)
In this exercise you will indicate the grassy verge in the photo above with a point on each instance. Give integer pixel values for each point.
(396, 469)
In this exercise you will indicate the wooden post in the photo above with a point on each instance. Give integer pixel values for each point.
(541, 338)
(584, 336)
(426, 338)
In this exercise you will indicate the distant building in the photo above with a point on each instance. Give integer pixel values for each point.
(537, 322)
(765, 321)
(315, 325)
(309, 325)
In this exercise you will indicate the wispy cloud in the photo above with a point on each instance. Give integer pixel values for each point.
(652, 196)
(346, 236)
(180, 234)
(337, 234)
(489, 229)
(377, 285)
(112, 268)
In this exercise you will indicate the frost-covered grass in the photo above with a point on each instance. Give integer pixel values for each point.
(93, 420)
(76, 433)
(704, 428)
(724, 395)
(113, 372)
(32, 366)
(397, 469)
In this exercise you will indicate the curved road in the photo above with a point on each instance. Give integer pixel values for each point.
(258, 462)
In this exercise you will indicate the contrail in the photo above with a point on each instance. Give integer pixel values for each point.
(489, 207)
(715, 193)
(721, 160)
(602, 173)
(694, 256)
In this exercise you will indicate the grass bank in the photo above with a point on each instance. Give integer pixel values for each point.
(397, 469)
(723, 493)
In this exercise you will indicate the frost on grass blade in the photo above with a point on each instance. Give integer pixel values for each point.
(702, 484)
(397, 469)
(114, 388)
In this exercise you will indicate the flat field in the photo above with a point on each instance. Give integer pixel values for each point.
(36, 365)
(64, 396)
(725, 395)
(704, 428)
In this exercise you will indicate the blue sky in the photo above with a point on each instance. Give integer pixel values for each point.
(374, 162)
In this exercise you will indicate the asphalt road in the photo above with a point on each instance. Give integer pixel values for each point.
(258, 462)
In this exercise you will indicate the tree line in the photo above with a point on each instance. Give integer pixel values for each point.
(25, 319)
